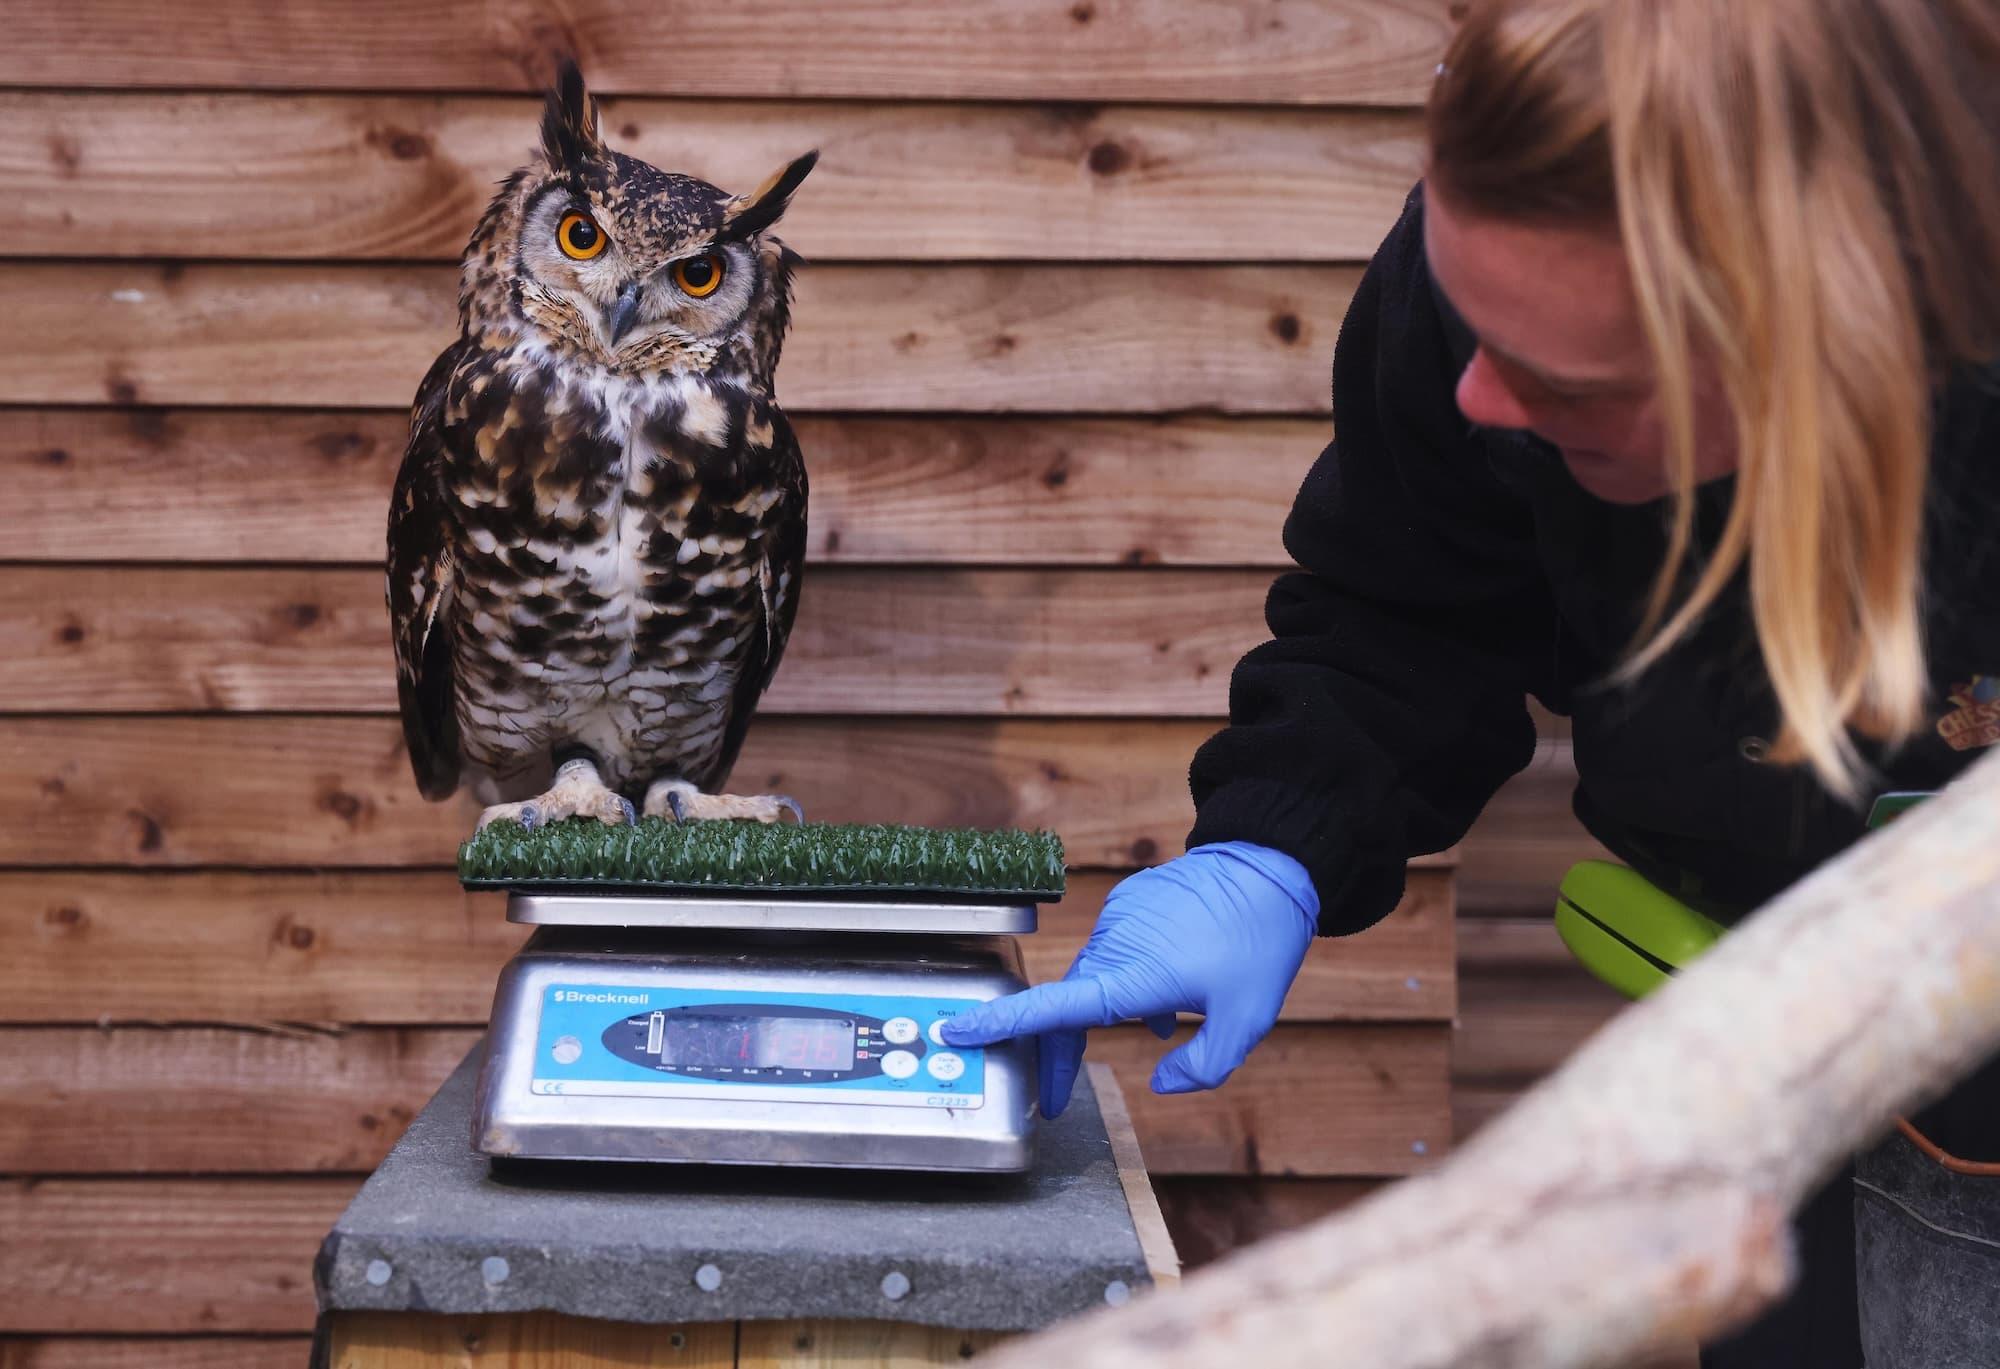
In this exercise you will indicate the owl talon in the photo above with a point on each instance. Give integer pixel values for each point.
(578, 792)
(684, 803)
(527, 814)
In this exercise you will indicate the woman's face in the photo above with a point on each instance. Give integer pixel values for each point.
(1561, 352)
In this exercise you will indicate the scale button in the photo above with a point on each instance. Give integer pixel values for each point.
(568, 1050)
(899, 1064)
(900, 1030)
(946, 1066)
(936, 1033)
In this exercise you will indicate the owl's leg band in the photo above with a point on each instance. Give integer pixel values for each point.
(578, 792)
(683, 802)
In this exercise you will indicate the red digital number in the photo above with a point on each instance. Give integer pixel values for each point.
(827, 1052)
(793, 1052)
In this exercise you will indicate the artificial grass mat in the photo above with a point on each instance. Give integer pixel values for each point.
(742, 856)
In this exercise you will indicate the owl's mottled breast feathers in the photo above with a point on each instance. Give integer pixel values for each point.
(594, 556)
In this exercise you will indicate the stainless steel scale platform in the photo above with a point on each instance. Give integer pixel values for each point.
(755, 1031)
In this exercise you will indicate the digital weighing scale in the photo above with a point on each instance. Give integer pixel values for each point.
(758, 1030)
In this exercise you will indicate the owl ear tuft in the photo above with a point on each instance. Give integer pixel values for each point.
(748, 215)
(569, 120)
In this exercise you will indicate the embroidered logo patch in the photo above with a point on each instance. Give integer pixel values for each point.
(1976, 719)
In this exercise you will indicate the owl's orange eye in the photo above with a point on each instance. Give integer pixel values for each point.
(700, 276)
(579, 238)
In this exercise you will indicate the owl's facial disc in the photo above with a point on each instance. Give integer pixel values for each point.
(624, 284)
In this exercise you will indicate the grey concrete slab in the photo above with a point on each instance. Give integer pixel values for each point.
(434, 1230)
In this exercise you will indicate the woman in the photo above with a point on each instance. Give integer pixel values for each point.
(1670, 403)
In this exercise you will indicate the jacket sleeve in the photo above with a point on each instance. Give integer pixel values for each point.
(1391, 704)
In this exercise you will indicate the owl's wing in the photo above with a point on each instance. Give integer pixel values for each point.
(420, 589)
(778, 592)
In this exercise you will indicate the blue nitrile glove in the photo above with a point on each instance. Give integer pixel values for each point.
(1221, 931)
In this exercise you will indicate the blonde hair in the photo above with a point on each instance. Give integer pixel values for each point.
(1808, 194)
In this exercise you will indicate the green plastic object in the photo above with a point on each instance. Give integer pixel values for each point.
(1625, 930)
(1888, 807)
(751, 857)
(1631, 935)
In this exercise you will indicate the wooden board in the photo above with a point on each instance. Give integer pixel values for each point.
(1518, 1025)
(1259, 51)
(1474, 1104)
(263, 791)
(1047, 339)
(293, 946)
(210, 1100)
(544, 1340)
(163, 1256)
(154, 485)
(336, 791)
(855, 1345)
(189, 1352)
(1277, 1115)
(1211, 1216)
(1495, 947)
(413, 948)
(318, 177)
(1163, 1266)
(1526, 1004)
(879, 640)
(140, 1100)
(1156, 643)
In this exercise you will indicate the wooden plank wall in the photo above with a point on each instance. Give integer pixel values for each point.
(1061, 360)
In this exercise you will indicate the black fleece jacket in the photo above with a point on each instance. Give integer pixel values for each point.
(1446, 573)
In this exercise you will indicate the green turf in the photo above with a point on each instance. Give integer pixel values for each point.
(748, 856)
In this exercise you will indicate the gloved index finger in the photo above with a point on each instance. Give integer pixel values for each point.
(1065, 1005)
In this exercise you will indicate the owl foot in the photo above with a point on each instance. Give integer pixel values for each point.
(683, 802)
(578, 792)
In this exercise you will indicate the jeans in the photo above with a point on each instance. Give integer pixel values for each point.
(1933, 1237)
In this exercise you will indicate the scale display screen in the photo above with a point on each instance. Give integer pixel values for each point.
(641, 1040)
(712, 1042)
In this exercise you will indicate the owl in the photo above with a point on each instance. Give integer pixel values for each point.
(596, 535)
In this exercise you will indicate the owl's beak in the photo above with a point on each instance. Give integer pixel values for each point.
(623, 311)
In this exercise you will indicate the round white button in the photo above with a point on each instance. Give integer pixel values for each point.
(899, 1064)
(900, 1031)
(936, 1033)
(567, 1050)
(946, 1066)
